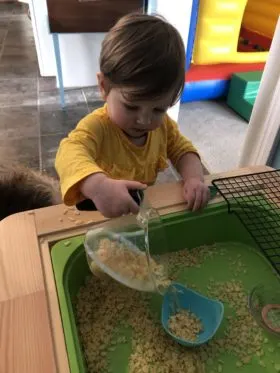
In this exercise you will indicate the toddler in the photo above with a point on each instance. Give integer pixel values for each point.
(123, 145)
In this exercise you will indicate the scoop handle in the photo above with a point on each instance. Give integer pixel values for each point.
(88, 205)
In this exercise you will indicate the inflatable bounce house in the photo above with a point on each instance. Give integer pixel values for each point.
(227, 48)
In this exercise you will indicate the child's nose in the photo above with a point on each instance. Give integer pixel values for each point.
(144, 119)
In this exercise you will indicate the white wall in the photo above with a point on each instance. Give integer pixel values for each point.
(179, 16)
(80, 58)
(43, 40)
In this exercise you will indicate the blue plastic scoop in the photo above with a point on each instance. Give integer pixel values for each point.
(209, 311)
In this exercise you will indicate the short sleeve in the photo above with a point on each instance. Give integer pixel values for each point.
(75, 159)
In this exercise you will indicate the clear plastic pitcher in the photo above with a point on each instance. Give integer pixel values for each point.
(131, 249)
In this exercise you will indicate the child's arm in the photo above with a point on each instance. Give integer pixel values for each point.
(195, 192)
(81, 177)
(185, 158)
(75, 159)
(189, 166)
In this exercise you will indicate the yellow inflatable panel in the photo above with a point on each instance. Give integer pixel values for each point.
(217, 34)
(261, 16)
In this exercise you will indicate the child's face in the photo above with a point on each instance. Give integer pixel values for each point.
(136, 119)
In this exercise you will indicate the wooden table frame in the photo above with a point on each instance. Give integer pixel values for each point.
(31, 334)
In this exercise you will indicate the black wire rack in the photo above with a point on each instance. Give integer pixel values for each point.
(255, 199)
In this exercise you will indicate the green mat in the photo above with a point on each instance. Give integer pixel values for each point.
(183, 230)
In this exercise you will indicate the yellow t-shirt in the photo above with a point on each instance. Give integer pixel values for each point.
(98, 145)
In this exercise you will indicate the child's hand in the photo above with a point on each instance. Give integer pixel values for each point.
(196, 194)
(111, 197)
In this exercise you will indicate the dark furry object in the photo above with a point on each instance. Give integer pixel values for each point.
(23, 189)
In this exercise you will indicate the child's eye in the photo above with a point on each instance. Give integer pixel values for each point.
(158, 110)
(130, 107)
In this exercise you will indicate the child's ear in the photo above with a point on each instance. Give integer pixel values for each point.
(101, 85)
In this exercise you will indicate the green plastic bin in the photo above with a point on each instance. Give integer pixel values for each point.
(183, 230)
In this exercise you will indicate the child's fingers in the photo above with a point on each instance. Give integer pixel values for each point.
(133, 185)
(198, 199)
(133, 207)
(190, 198)
(206, 196)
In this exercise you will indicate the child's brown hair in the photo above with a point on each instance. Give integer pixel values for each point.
(23, 189)
(144, 53)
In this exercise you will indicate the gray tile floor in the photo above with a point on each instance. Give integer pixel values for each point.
(32, 122)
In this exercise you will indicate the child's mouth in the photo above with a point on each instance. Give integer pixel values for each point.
(136, 133)
(140, 131)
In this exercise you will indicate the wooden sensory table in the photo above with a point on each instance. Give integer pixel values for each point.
(31, 334)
